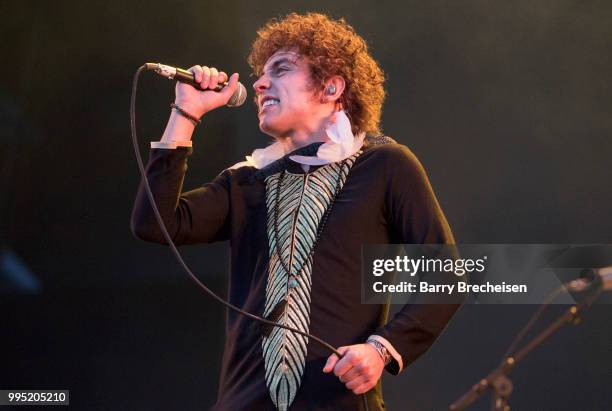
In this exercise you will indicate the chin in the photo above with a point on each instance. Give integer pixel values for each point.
(270, 128)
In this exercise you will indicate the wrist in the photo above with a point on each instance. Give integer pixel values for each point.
(193, 109)
(178, 129)
(382, 350)
(184, 113)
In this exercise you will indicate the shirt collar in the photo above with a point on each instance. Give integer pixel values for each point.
(341, 145)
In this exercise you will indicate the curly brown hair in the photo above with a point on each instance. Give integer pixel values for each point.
(332, 47)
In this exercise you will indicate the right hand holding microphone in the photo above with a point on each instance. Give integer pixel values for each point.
(196, 102)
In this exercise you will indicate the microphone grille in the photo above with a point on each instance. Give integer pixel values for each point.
(239, 96)
(606, 277)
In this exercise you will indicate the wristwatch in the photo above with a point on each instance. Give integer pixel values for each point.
(382, 350)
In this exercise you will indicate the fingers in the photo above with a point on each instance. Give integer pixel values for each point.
(356, 382)
(209, 77)
(197, 73)
(223, 77)
(359, 368)
(205, 78)
(353, 373)
(214, 78)
(333, 359)
(229, 90)
(363, 388)
(331, 363)
(347, 362)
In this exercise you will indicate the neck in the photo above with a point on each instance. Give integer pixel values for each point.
(295, 139)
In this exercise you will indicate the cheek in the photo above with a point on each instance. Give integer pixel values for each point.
(300, 106)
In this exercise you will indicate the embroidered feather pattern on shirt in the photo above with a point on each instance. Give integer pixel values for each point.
(304, 199)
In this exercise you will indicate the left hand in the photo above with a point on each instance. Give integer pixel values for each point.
(359, 368)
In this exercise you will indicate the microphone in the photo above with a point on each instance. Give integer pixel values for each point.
(600, 277)
(184, 76)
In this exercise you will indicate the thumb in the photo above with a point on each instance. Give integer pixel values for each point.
(333, 359)
(231, 87)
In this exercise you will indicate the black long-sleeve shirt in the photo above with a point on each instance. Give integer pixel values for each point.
(386, 198)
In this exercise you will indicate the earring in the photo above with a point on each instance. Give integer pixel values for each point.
(331, 89)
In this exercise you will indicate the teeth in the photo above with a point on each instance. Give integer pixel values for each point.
(270, 102)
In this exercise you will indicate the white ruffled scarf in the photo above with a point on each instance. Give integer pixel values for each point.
(342, 145)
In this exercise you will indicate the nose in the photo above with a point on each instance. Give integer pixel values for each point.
(261, 84)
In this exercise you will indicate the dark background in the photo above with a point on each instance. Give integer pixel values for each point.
(507, 105)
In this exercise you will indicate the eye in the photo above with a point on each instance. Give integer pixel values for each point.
(281, 69)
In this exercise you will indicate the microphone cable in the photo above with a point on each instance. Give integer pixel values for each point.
(175, 250)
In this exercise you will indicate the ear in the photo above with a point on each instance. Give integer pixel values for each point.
(333, 88)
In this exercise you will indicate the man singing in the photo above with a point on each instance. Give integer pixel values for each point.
(296, 214)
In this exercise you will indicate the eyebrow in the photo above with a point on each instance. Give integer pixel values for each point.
(280, 61)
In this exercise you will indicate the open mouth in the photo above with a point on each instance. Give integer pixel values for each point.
(267, 102)
(270, 102)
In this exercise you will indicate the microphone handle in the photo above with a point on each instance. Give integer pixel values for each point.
(188, 77)
(179, 74)
(237, 99)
